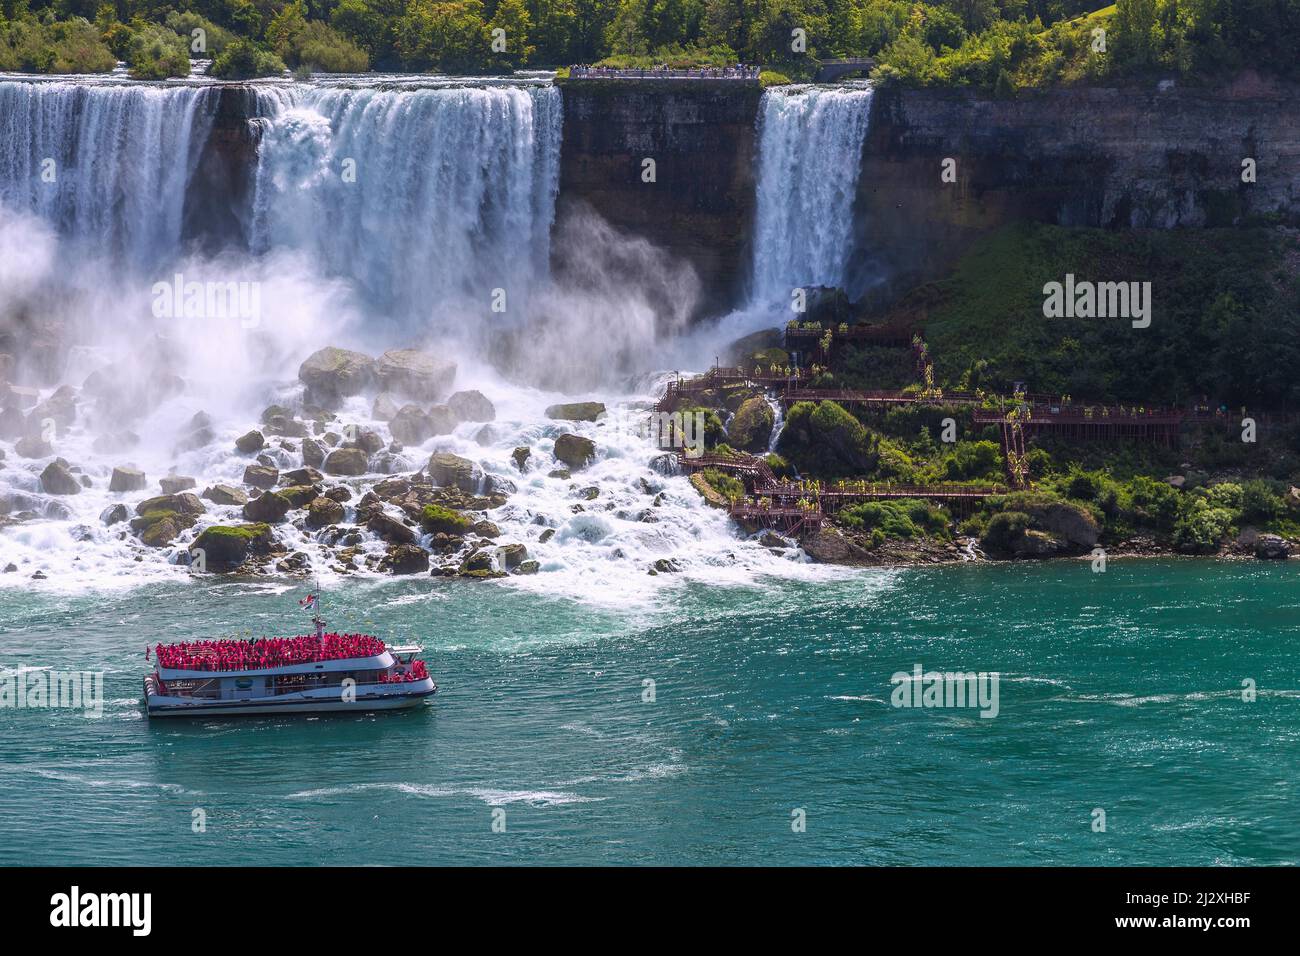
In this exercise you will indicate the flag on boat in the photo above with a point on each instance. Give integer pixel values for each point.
(308, 603)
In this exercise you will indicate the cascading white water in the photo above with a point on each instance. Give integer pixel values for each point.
(453, 197)
(810, 155)
(106, 164)
(428, 198)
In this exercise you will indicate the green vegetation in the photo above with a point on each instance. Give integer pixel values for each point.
(729, 487)
(436, 519)
(897, 518)
(1225, 316)
(1002, 45)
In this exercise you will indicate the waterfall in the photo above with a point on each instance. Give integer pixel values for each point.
(428, 199)
(810, 155)
(106, 164)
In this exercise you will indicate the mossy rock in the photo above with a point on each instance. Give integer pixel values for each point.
(751, 427)
(435, 519)
(184, 503)
(227, 546)
(576, 411)
(574, 450)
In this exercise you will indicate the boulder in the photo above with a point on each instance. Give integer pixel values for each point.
(33, 446)
(313, 455)
(437, 519)
(183, 503)
(175, 484)
(486, 529)
(346, 461)
(828, 546)
(261, 476)
(574, 450)
(751, 426)
(128, 479)
(406, 559)
(529, 567)
(250, 442)
(512, 555)
(576, 411)
(114, 514)
(442, 421)
(333, 373)
(520, 456)
(415, 374)
(472, 406)
(162, 532)
(411, 425)
(226, 547)
(300, 496)
(339, 494)
(746, 351)
(367, 439)
(56, 479)
(389, 528)
(302, 476)
(324, 511)
(268, 507)
(1270, 547)
(384, 408)
(1176, 481)
(450, 470)
(225, 495)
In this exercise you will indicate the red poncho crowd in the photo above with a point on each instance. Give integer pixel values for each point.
(227, 655)
(416, 671)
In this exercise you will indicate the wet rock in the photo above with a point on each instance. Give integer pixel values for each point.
(512, 556)
(384, 408)
(520, 456)
(770, 539)
(56, 479)
(528, 567)
(486, 529)
(175, 484)
(250, 442)
(576, 411)
(589, 494)
(198, 432)
(366, 439)
(828, 546)
(1270, 547)
(324, 511)
(472, 406)
(333, 373)
(411, 425)
(114, 514)
(391, 487)
(546, 536)
(346, 461)
(127, 479)
(261, 476)
(415, 374)
(477, 561)
(406, 559)
(339, 494)
(225, 547)
(286, 426)
(389, 528)
(294, 563)
(313, 455)
(497, 485)
(300, 496)
(302, 476)
(441, 420)
(268, 507)
(33, 446)
(183, 503)
(665, 566)
(574, 450)
(562, 473)
(666, 465)
(225, 495)
(451, 470)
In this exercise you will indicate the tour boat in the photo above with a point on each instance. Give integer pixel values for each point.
(285, 675)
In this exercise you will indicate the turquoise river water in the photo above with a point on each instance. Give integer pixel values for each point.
(1119, 691)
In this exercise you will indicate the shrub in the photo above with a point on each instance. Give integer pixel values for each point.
(897, 518)
(243, 60)
(728, 486)
(1201, 530)
(1003, 529)
(156, 53)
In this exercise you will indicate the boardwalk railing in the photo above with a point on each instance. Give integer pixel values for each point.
(740, 73)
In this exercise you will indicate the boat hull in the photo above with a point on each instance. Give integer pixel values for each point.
(388, 699)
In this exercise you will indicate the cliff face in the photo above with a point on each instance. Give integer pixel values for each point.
(218, 205)
(1112, 158)
(702, 139)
